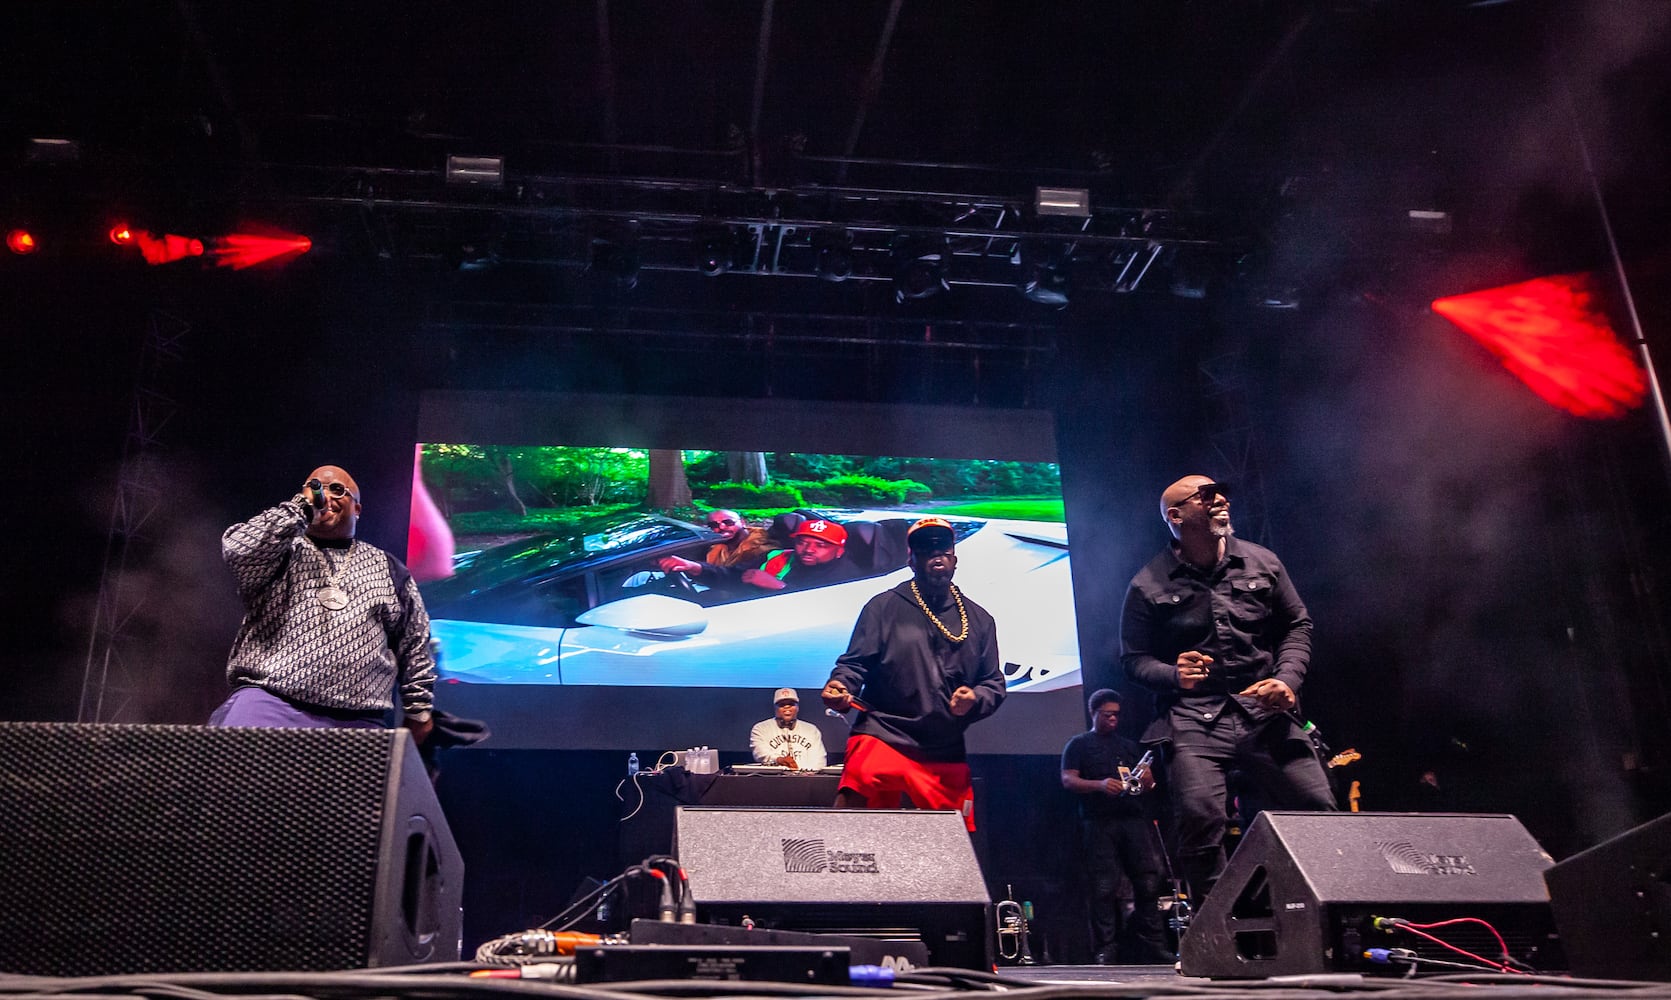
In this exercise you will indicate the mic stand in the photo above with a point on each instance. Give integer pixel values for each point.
(1178, 916)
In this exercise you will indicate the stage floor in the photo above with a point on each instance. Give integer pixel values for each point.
(1094, 975)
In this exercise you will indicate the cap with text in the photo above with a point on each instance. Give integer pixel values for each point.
(785, 694)
(930, 534)
(829, 531)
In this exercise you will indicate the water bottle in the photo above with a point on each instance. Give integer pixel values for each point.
(632, 765)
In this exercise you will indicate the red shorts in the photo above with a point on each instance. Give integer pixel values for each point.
(882, 775)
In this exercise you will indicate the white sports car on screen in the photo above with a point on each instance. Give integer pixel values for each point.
(591, 607)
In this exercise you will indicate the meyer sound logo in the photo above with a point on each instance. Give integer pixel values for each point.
(1403, 858)
(812, 856)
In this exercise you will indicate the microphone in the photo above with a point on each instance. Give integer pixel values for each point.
(852, 703)
(316, 494)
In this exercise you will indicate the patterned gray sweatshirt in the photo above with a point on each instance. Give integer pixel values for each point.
(293, 646)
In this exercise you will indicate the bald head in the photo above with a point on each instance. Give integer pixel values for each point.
(1179, 491)
(1196, 501)
(341, 514)
(730, 525)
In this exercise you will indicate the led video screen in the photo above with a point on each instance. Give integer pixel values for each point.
(577, 543)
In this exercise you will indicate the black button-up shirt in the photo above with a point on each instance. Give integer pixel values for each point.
(1244, 613)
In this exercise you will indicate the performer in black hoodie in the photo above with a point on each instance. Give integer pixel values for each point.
(922, 667)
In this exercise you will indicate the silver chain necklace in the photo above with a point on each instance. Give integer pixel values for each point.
(332, 597)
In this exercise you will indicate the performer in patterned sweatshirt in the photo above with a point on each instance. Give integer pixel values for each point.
(334, 632)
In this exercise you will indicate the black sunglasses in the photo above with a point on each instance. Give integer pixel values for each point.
(726, 523)
(1206, 492)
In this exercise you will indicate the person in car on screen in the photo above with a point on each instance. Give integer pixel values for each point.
(817, 560)
(738, 545)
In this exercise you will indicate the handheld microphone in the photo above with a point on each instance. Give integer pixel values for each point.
(852, 703)
(316, 494)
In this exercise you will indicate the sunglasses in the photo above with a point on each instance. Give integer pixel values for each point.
(336, 490)
(1206, 492)
(726, 523)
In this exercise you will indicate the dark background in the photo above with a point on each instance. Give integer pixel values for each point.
(1487, 572)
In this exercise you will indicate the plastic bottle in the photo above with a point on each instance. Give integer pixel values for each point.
(632, 764)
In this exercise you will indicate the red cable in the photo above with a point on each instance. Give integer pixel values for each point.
(1499, 966)
(1501, 944)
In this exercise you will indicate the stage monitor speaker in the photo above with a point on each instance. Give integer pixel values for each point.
(1613, 905)
(1301, 892)
(127, 849)
(904, 875)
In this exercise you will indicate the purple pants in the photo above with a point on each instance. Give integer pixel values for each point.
(253, 708)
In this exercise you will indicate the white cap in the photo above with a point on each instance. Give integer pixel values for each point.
(786, 694)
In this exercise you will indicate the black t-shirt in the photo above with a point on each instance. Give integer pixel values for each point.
(1097, 757)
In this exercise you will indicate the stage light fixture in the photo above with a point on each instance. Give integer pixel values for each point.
(476, 171)
(472, 255)
(21, 242)
(121, 234)
(716, 250)
(1044, 275)
(919, 267)
(49, 149)
(1430, 221)
(475, 244)
(1191, 275)
(833, 252)
(614, 261)
(1075, 202)
(166, 248)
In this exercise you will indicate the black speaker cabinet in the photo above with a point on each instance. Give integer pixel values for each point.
(903, 875)
(179, 848)
(1613, 905)
(1302, 890)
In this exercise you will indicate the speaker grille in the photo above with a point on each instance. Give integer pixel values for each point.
(161, 848)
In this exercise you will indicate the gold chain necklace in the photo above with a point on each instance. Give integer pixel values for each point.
(962, 614)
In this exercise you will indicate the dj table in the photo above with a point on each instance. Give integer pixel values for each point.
(647, 805)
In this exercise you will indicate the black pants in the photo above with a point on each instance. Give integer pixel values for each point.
(1128, 847)
(1285, 771)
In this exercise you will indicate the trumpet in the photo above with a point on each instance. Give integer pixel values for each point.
(1012, 918)
(1134, 777)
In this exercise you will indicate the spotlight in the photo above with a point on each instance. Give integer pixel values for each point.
(476, 171)
(614, 262)
(1062, 201)
(1192, 274)
(833, 249)
(121, 234)
(21, 242)
(1044, 276)
(919, 267)
(472, 255)
(716, 250)
(475, 246)
(167, 248)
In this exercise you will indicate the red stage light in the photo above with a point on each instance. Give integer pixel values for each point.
(21, 241)
(121, 235)
(167, 248)
(1553, 335)
(241, 250)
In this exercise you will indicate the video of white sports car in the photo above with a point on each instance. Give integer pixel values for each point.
(590, 606)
